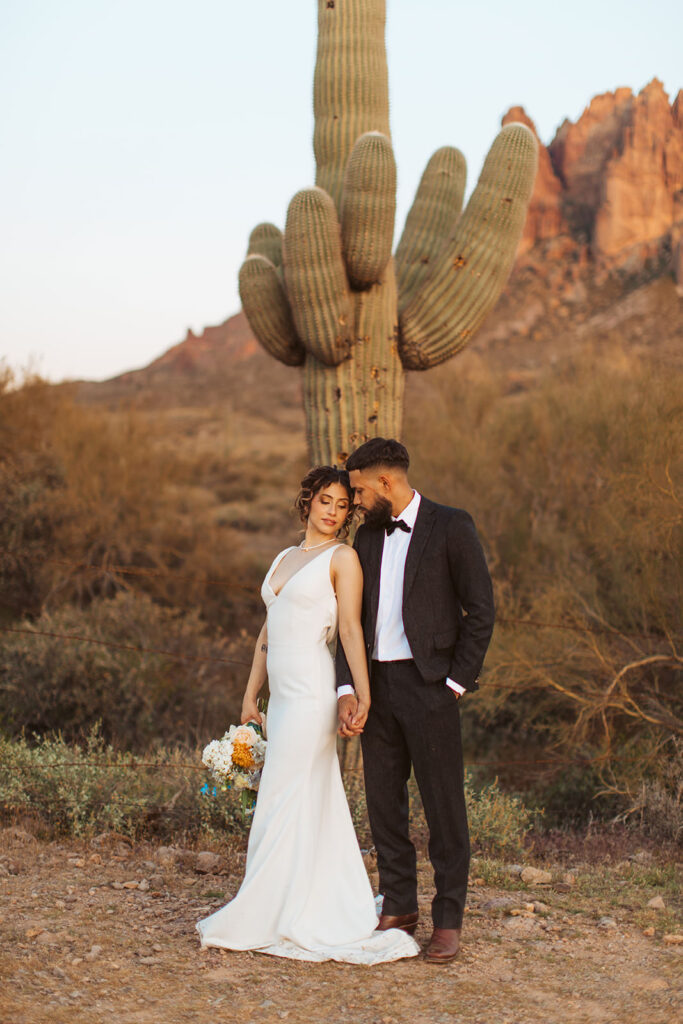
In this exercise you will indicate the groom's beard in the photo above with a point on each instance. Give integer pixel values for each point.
(379, 516)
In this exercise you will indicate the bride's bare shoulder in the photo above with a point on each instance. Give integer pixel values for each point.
(344, 558)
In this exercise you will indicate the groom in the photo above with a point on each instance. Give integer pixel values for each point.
(427, 618)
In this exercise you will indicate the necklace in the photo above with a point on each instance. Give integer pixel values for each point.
(312, 546)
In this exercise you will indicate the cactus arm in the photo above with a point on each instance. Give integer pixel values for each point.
(266, 240)
(267, 310)
(431, 220)
(474, 265)
(315, 276)
(350, 84)
(368, 209)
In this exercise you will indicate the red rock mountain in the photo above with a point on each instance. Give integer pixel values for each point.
(600, 257)
(613, 181)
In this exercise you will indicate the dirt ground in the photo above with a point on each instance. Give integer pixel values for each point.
(104, 931)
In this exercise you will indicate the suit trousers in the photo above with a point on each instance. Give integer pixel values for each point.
(413, 723)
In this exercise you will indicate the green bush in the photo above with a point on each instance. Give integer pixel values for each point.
(56, 783)
(83, 789)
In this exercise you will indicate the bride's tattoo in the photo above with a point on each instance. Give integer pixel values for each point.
(264, 648)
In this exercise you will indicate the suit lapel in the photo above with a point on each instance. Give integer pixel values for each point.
(421, 531)
(374, 571)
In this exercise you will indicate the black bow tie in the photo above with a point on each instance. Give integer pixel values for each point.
(397, 524)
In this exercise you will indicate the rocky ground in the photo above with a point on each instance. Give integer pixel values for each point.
(104, 930)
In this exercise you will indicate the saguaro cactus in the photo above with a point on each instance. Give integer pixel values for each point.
(327, 295)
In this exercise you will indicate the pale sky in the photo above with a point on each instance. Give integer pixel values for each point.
(141, 140)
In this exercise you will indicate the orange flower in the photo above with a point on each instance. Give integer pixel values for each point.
(242, 756)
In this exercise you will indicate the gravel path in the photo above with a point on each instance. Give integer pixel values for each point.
(104, 931)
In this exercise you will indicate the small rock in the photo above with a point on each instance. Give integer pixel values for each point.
(499, 903)
(207, 863)
(607, 922)
(530, 907)
(143, 885)
(673, 939)
(642, 857)
(76, 960)
(32, 933)
(47, 939)
(166, 855)
(94, 953)
(130, 885)
(568, 878)
(521, 922)
(656, 903)
(156, 881)
(649, 984)
(19, 834)
(95, 858)
(370, 859)
(649, 932)
(150, 960)
(77, 862)
(535, 876)
(540, 908)
(478, 881)
(60, 904)
(266, 1004)
(513, 869)
(116, 885)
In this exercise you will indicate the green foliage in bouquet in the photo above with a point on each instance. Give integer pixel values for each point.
(327, 294)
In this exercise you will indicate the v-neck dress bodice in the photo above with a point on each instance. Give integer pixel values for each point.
(306, 893)
(304, 611)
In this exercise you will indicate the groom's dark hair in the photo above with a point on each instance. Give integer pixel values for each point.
(379, 451)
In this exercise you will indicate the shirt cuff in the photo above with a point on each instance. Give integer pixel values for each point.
(343, 690)
(454, 686)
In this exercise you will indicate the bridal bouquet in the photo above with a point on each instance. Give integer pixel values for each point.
(236, 762)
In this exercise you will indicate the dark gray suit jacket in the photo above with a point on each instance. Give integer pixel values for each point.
(448, 610)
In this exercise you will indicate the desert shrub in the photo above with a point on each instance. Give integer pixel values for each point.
(85, 490)
(57, 784)
(498, 821)
(50, 685)
(575, 488)
(81, 789)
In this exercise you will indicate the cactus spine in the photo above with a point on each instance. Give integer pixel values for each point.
(329, 296)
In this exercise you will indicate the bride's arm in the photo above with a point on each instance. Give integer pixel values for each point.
(347, 578)
(257, 677)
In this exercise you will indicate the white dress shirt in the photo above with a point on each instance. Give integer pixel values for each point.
(391, 642)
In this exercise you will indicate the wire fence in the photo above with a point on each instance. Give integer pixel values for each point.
(113, 569)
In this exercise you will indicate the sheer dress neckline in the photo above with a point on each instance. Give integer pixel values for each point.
(289, 579)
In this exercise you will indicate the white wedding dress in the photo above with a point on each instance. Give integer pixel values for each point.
(305, 894)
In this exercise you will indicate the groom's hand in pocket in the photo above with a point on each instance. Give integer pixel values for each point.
(347, 707)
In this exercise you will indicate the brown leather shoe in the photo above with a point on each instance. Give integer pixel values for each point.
(444, 945)
(406, 922)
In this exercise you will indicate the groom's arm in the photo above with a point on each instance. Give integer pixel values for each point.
(472, 584)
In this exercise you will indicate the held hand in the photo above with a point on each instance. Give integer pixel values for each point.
(361, 715)
(250, 711)
(347, 707)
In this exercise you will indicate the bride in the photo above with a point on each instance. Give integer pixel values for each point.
(305, 893)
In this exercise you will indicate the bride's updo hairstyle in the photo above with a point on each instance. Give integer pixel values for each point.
(313, 482)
